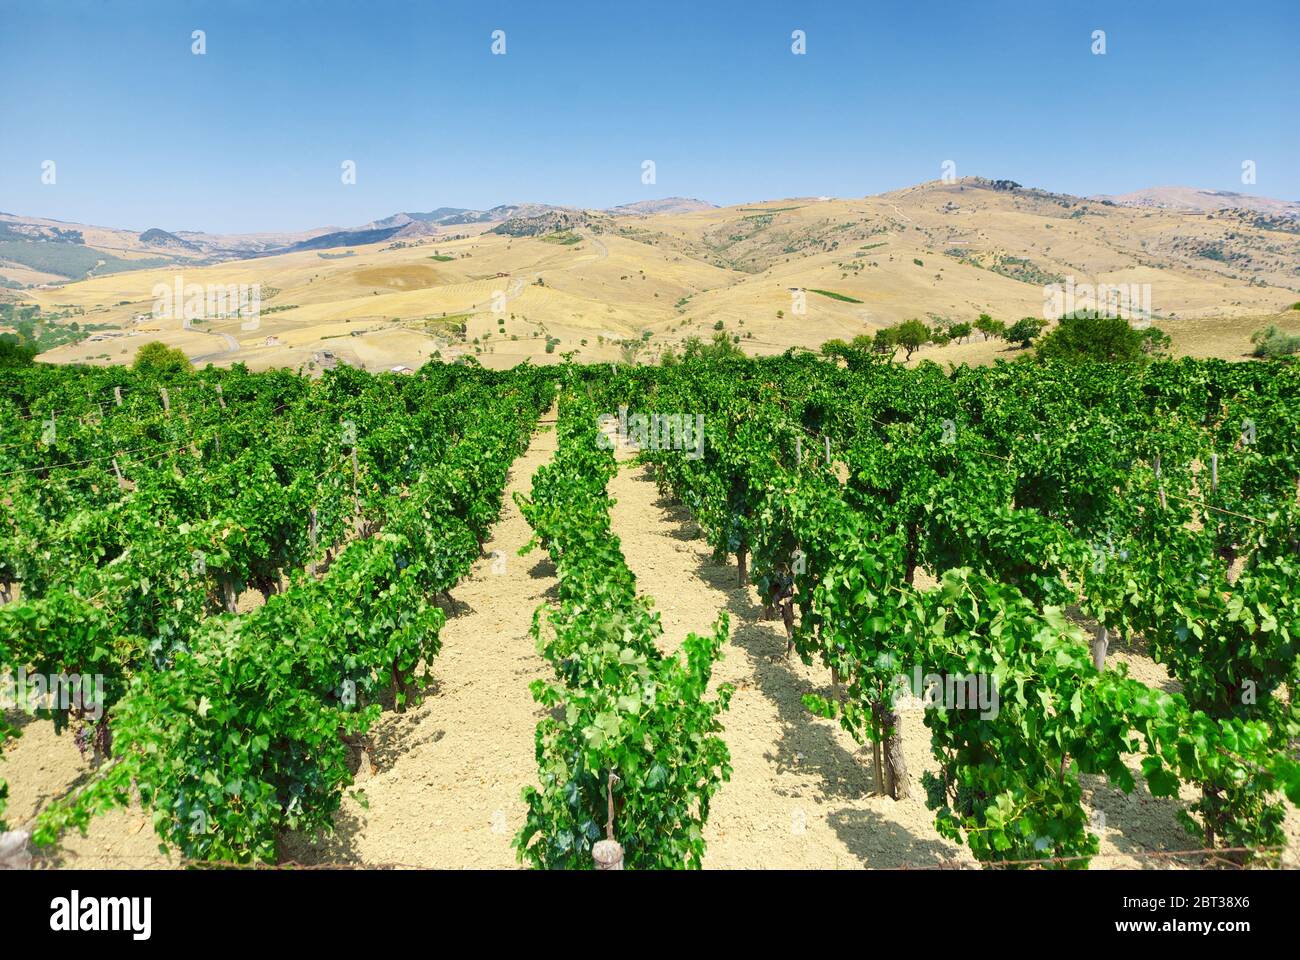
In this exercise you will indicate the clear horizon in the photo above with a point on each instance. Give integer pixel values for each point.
(251, 135)
(410, 210)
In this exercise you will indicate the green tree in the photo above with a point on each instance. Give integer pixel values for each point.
(1024, 330)
(885, 340)
(912, 335)
(720, 347)
(989, 327)
(1093, 337)
(157, 357)
(834, 348)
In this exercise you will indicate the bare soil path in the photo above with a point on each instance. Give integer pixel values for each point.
(446, 791)
(800, 795)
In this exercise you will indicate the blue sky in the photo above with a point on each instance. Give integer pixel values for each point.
(251, 135)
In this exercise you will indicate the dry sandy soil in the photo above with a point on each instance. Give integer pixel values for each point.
(441, 785)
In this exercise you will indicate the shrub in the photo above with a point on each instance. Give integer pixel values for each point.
(15, 354)
(1155, 341)
(1272, 342)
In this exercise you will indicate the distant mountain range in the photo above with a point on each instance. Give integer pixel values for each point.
(38, 251)
(666, 205)
(1194, 200)
(153, 237)
(402, 226)
(35, 251)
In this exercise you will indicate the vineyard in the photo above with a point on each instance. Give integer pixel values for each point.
(353, 502)
(977, 540)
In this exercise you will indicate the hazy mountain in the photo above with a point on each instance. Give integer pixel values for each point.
(666, 205)
(509, 211)
(452, 215)
(1202, 201)
(530, 223)
(225, 246)
(39, 250)
(155, 237)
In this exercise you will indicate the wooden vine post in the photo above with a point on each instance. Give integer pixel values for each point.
(356, 501)
(350, 440)
(608, 853)
(1100, 644)
(890, 768)
(311, 533)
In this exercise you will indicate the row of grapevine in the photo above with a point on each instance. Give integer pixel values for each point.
(927, 486)
(629, 748)
(235, 728)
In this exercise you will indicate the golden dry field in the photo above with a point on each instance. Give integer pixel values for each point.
(634, 285)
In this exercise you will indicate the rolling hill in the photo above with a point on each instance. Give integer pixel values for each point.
(1203, 201)
(614, 285)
